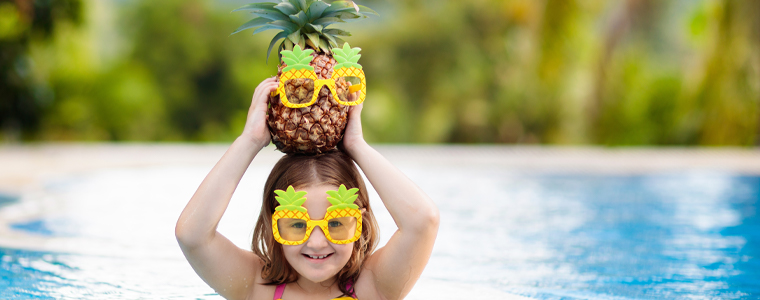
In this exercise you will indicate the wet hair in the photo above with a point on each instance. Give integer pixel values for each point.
(302, 171)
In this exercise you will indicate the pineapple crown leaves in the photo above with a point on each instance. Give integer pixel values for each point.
(347, 57)
(342, 198)
(303, 22)
(290, 200)
(297, 59)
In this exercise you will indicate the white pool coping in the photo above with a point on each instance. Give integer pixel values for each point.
(22, 166)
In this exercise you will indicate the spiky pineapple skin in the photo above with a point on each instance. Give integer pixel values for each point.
(314, 129)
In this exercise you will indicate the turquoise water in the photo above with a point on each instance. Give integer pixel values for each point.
(675, 236)
(679, 236)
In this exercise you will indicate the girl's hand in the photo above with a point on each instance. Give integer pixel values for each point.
(256, 123)
(353, 136)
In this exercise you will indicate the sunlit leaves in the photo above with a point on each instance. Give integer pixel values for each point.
(307, 18)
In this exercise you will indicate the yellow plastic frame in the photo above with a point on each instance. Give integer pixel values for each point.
(319, 83)
(311, 224)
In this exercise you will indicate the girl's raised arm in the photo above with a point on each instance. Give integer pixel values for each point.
(390, 273)
(226, 268)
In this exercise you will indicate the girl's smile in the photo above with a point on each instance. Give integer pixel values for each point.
(317, 257)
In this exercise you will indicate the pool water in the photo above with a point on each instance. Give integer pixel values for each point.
(546, 236)
(676, 236)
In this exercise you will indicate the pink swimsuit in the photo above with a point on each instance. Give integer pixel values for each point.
(281, 289)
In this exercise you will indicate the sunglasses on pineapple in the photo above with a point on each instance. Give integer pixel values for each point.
(298, 79)
(291, 224)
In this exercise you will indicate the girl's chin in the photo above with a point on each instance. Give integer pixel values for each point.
(319, 272)
(319, 276)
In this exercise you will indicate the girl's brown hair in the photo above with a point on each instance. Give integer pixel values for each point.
(301, 171)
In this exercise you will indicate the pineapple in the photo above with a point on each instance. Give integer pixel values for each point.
(319, 127)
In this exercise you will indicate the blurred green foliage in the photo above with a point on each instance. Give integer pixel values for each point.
(23, 101)
(629, 72)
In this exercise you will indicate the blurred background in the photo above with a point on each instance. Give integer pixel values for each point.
(628, 72)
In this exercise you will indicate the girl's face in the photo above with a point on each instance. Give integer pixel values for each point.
(317, 259)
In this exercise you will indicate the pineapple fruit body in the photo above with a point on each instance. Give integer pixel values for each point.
(319, 127)
(313, 129)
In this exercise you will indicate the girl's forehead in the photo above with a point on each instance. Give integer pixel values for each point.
(316, 200)
(318, 190)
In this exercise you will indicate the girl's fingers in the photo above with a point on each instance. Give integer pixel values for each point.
(266, 83)
(273, 86)
(270, 79)
(263, 90)
(269, 88)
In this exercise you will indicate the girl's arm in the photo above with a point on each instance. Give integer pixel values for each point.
(391, 271)
(229, 270)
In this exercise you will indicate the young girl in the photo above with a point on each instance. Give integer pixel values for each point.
(320, 244)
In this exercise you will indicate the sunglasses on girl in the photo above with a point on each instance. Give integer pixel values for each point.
(291, 224)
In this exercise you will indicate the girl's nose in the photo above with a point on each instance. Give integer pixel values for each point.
(317, 239)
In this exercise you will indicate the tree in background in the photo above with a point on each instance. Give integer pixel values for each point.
(24, 101)
(695, 86)
(205, 78)
(149, 71)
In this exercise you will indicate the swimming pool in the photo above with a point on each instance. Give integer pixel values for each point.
(544, 234)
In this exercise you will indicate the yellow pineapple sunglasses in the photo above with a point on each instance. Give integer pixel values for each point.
(300, 74)
(291, 224)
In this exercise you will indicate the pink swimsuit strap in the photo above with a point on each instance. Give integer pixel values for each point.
(278, 291)
(281, 289)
